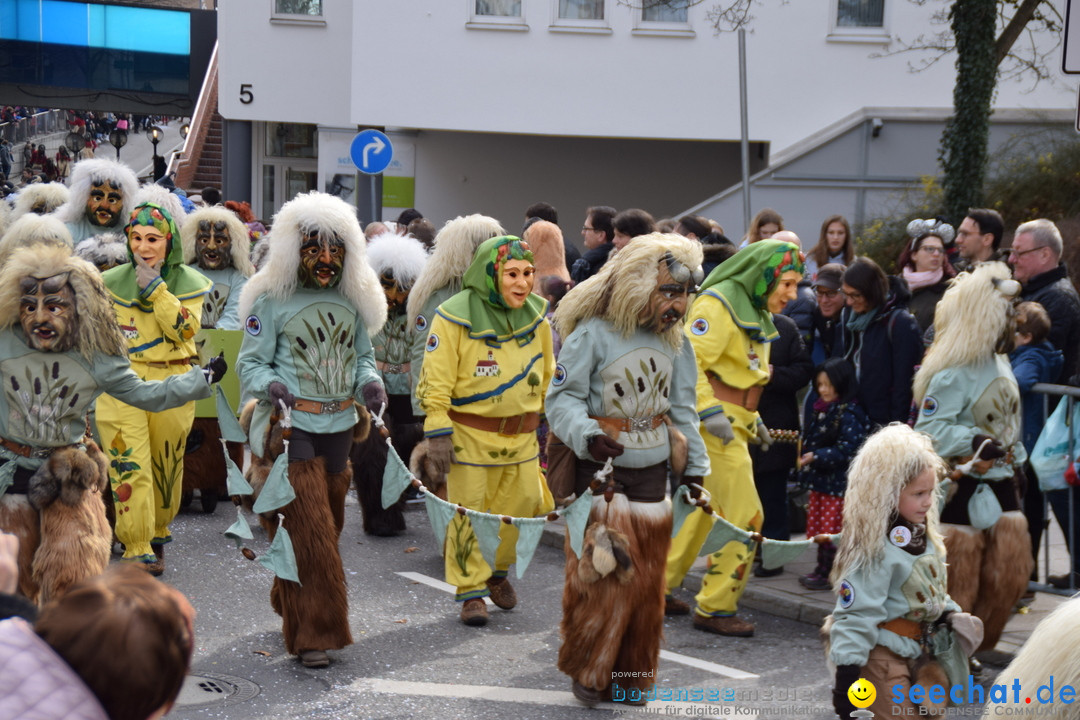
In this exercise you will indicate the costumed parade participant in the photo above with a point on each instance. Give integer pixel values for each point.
(158, 302)
(969, 404)
(624, 388)
(397, 260)
(309, 313)
(40, 199)
(488, 361)
(894, 624)
(101, 200)
(730, 326)
(34, 229)
(60, 348)
(216, 243)
(440, 280)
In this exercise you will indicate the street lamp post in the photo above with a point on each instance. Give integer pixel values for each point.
(74, 142)
(118, 139)
(159, 162)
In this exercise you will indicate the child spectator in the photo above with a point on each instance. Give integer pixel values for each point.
(837, 428)
(894, 623)
(1033, 361)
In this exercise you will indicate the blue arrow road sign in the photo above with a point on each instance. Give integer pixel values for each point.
(371, 152)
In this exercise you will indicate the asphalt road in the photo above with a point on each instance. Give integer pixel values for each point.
(413, 659)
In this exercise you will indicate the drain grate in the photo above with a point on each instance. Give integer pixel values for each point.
(213, 688)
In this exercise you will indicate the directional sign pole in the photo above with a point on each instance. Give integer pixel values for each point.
(371, 152)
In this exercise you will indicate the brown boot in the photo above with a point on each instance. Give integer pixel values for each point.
(502, 593)
(724, 625)
(314, 658)
(675, 606)
(588, 696)
(474, 612)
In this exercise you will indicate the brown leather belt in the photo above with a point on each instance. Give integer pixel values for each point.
(904, 628)
(723, 392)
(28, 451)
(612, 426)
(166, 363)
(510, 425)
(393, 368)
(327, 407)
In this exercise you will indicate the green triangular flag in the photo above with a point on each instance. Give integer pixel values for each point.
(239, 530)
(681, 506)
(277, 492)
(775, 553)
(721, 534)
(280, 557)
(396, 477)
(530, 530)
(486, 529)
(577, 517)
(234, 479)
(230, 428)
(439, 513)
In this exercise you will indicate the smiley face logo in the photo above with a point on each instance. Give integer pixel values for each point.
(862, 693)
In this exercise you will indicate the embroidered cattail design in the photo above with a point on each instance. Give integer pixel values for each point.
(618, 390)
(321, 334)
(74, 400)
(652, 363)
(330, 316)
(37, 386)
(640, 384)
(64, 391)
(14, 384)
(301, 343)
(55, 370)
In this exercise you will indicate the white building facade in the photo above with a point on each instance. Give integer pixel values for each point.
(495, 104)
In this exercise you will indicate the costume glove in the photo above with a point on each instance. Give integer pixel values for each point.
(845, 676)
(689, 481)
(441, 453)
(991, 451)
(374, 397)
(279, 395)
(968, 629)
(720, 426)
(146, 274)
(215, 369)
(764, 437)
(601, 447)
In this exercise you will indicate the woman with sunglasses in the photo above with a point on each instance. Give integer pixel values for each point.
(926, 268)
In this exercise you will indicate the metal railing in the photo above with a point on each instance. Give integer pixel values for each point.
(1069, 395)
(28, 129)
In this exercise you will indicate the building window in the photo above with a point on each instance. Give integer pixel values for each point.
(665, 11)
(581, 9)
(860, 13)
(312, 8)
(498, 8)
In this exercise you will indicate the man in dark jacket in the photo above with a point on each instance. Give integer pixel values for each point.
(597, 234)
(1036, 260)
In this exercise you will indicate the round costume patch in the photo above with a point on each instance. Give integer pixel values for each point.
(847, 594)
(929, 406)
(253, 326)
(421, 323)
(900, 536)
(700, 326)
(559, 377)
(432, 342)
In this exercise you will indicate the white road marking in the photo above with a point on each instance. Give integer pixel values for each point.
(437, 584)
(706, 665)
(712, 667)
(528, 696)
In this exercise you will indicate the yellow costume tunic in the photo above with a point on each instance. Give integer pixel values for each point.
(493, 473)
(146, 449)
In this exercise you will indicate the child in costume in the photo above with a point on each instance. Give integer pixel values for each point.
(838, 429)
(894, 623)
(482, 390)
(625, 322)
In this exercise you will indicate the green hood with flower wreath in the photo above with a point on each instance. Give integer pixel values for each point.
(183, 281)
(744, 282)
(480, 307)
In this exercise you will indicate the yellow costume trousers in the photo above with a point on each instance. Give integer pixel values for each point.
(734, 496)
(515, 490)
(146, 465)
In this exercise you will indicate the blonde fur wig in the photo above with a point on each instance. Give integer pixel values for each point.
(326, 214)
(40, 198)
(970, 319)
(549, 254)
(85, 174)
(240, 246)
(621, 289)
(97, 328)
(455, 246)
(889, 460)
(401, 256)
(33, 229)
(154, 193)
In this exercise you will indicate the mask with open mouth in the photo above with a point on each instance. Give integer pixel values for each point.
(668, 302)
(213, 245)
(105, 203)
(322, 258)
(47, 313)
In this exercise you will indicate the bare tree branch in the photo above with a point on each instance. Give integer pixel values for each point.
(1016, 25)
